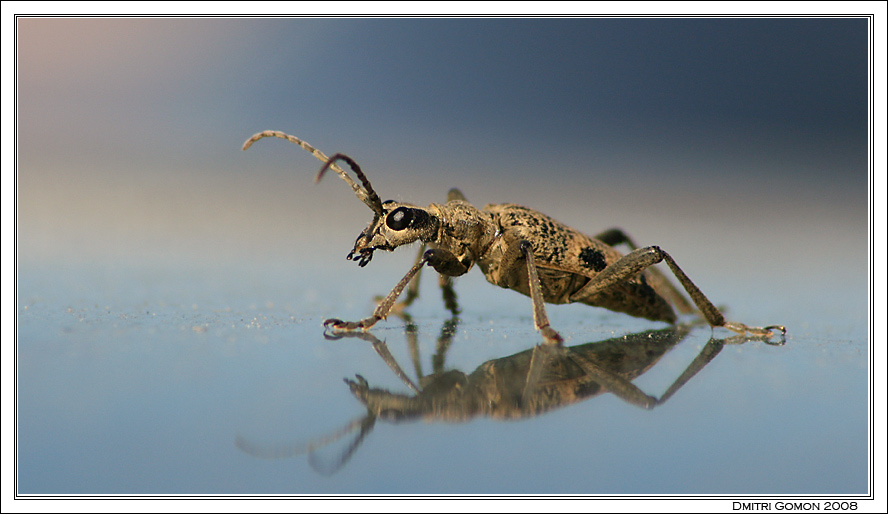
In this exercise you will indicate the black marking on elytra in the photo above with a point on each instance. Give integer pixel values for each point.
(592, 259)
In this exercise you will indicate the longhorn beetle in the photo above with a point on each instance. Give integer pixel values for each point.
(520, 249)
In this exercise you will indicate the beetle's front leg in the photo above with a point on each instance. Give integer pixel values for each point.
(443, 261)
(412, 289)
(383, 308)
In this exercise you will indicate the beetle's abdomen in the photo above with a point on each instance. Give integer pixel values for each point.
(566, 260)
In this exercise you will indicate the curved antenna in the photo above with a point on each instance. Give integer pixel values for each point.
(292, 450)
(366, 194)
(372, 198)
(330, 467)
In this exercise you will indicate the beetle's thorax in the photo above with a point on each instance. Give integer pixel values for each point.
(464, 230)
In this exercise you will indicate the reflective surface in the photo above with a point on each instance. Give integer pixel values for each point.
(520, 386)
(157, 381)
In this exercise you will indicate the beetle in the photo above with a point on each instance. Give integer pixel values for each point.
(520, 249)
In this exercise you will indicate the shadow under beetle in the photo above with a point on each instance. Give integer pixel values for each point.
(519, 249)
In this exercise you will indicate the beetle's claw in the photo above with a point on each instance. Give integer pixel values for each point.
(338, 324)
(763, 334)
(781, 328)
(362, 256)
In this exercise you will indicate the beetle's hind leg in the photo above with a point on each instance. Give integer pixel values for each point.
(663, 285)
(638, 260)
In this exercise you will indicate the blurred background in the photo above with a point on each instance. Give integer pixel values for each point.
(171, 288)
(129, 130)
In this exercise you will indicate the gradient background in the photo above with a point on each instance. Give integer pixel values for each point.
(130, 130)
(161, 269)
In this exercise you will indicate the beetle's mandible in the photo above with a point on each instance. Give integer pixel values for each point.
(520, 249)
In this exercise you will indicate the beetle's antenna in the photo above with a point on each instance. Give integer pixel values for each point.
(367, 195)
(372, 198)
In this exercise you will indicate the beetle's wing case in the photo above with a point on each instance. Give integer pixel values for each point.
(566, 260)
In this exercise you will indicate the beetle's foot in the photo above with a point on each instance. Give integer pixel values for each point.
(551, 336)
(764, 332)
(338, 324)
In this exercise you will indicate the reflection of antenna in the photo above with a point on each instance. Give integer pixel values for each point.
(290, 450)
(329, 468)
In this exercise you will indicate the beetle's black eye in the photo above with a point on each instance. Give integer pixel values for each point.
(399, 219)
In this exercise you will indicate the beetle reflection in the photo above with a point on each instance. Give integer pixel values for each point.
(523, 385)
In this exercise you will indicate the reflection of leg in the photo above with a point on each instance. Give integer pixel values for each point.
(381, 350)
(712, 348)
(389, 359)
(444, 340)
(540, 360)
(630, 393)
(643, 258)
(448, 294)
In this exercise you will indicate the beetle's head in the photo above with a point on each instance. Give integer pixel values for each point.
(399, 224)
(394, 224)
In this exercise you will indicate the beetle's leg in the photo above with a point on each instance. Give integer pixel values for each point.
(412, 293)
(443, 261)
(455, 194)
(383, 308)
(638, 260)
(655, 277)
(444, 280)
(516, 250)
(412, 289)
(540, 318)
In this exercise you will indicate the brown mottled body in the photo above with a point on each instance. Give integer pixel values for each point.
(566, 260)
(520, 249)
